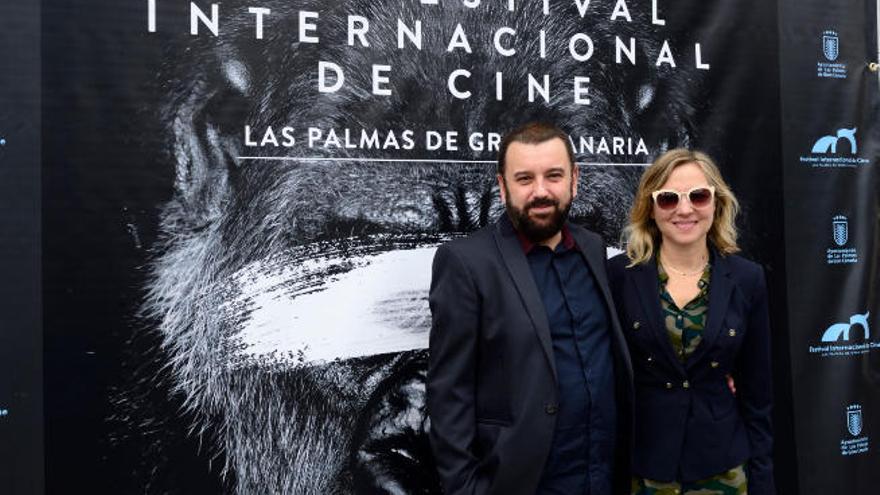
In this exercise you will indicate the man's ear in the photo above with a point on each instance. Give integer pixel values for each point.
(575, 174)
(502, 188)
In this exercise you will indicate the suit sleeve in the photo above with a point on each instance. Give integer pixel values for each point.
(755, 391)
(455, 314)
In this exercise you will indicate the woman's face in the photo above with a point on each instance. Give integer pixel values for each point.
(685, 225)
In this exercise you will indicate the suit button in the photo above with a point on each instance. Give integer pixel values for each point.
(714, 364)
(685, 384)
(668, 385)
(636, 325)
(650, 358)
(732, 332)
(551, 409)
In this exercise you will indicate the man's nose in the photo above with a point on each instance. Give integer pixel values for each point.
(540, 190)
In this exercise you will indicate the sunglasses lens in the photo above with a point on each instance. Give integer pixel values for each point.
(667, 200)
(700, 197)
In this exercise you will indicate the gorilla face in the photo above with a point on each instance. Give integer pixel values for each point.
(291, 295)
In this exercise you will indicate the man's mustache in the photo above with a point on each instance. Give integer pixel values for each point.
(540, 202)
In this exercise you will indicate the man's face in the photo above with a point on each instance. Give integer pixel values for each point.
(538, 185)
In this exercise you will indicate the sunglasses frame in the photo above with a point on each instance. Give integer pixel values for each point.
(686, 194)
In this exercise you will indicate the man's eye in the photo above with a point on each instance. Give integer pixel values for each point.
(524, 180)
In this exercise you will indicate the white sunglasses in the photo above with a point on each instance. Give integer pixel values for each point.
(699, 197)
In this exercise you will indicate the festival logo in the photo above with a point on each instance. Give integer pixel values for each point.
(837, 150)
(842, 338)
(841, 254)
(831, 69)
(840, 331)
(854, 425)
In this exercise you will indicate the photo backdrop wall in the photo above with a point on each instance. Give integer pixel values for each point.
(241, 200)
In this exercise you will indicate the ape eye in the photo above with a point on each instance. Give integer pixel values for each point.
(226, 109)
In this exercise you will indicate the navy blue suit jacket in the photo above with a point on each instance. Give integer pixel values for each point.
(688, 424)
(491, 385)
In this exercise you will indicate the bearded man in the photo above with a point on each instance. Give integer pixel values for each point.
(529, 382)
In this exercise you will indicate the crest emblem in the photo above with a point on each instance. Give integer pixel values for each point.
(840, 229)
(854, 419)
(830, 45)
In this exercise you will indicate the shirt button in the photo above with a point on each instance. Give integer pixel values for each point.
(714, 364)
(668, 385)
(636, 325)
(686, 384)
(731, 332)
(550, 409)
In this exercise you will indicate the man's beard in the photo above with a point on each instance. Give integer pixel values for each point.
(534, 231)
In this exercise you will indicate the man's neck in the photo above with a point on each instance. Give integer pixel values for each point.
(552, 242)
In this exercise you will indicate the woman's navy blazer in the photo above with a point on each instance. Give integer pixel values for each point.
(688, 424)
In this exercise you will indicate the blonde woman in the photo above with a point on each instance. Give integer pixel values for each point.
(694, 313)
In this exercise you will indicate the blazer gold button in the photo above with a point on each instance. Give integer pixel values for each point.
(731, 332)
(636, 325)
(668, 385)
(686, 384)
(714, 364)
(550, 408)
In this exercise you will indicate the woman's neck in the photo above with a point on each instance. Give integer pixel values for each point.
(685, 257)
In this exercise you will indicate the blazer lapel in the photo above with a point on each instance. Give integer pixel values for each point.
(518, 266)
(647, 284)
(720, 289)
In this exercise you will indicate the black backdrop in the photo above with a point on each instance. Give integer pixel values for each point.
(116, 420)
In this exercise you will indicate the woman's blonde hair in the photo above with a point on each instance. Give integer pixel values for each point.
(642, 235)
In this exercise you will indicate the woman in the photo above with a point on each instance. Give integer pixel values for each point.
(694, 314)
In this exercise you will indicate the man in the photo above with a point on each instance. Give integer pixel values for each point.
(529, 381)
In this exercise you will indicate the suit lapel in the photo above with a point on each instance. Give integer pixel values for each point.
(518, 266)
(720, 289)
(647, 284)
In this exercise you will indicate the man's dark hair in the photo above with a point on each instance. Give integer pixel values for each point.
(533, 133)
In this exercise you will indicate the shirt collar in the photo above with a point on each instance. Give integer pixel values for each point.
(527, 245)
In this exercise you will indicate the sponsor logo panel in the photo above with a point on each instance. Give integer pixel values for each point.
(828, 67)
(851, 337)
(840, 253)
(838, 149)
(855, 443)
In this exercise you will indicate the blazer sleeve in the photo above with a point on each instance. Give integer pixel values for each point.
(755, 391)
(451, 381)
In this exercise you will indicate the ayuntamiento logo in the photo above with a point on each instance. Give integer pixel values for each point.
(854, 444)
(840, 254)
(830, 68)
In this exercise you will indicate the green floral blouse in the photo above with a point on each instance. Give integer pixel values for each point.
(685, 325)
